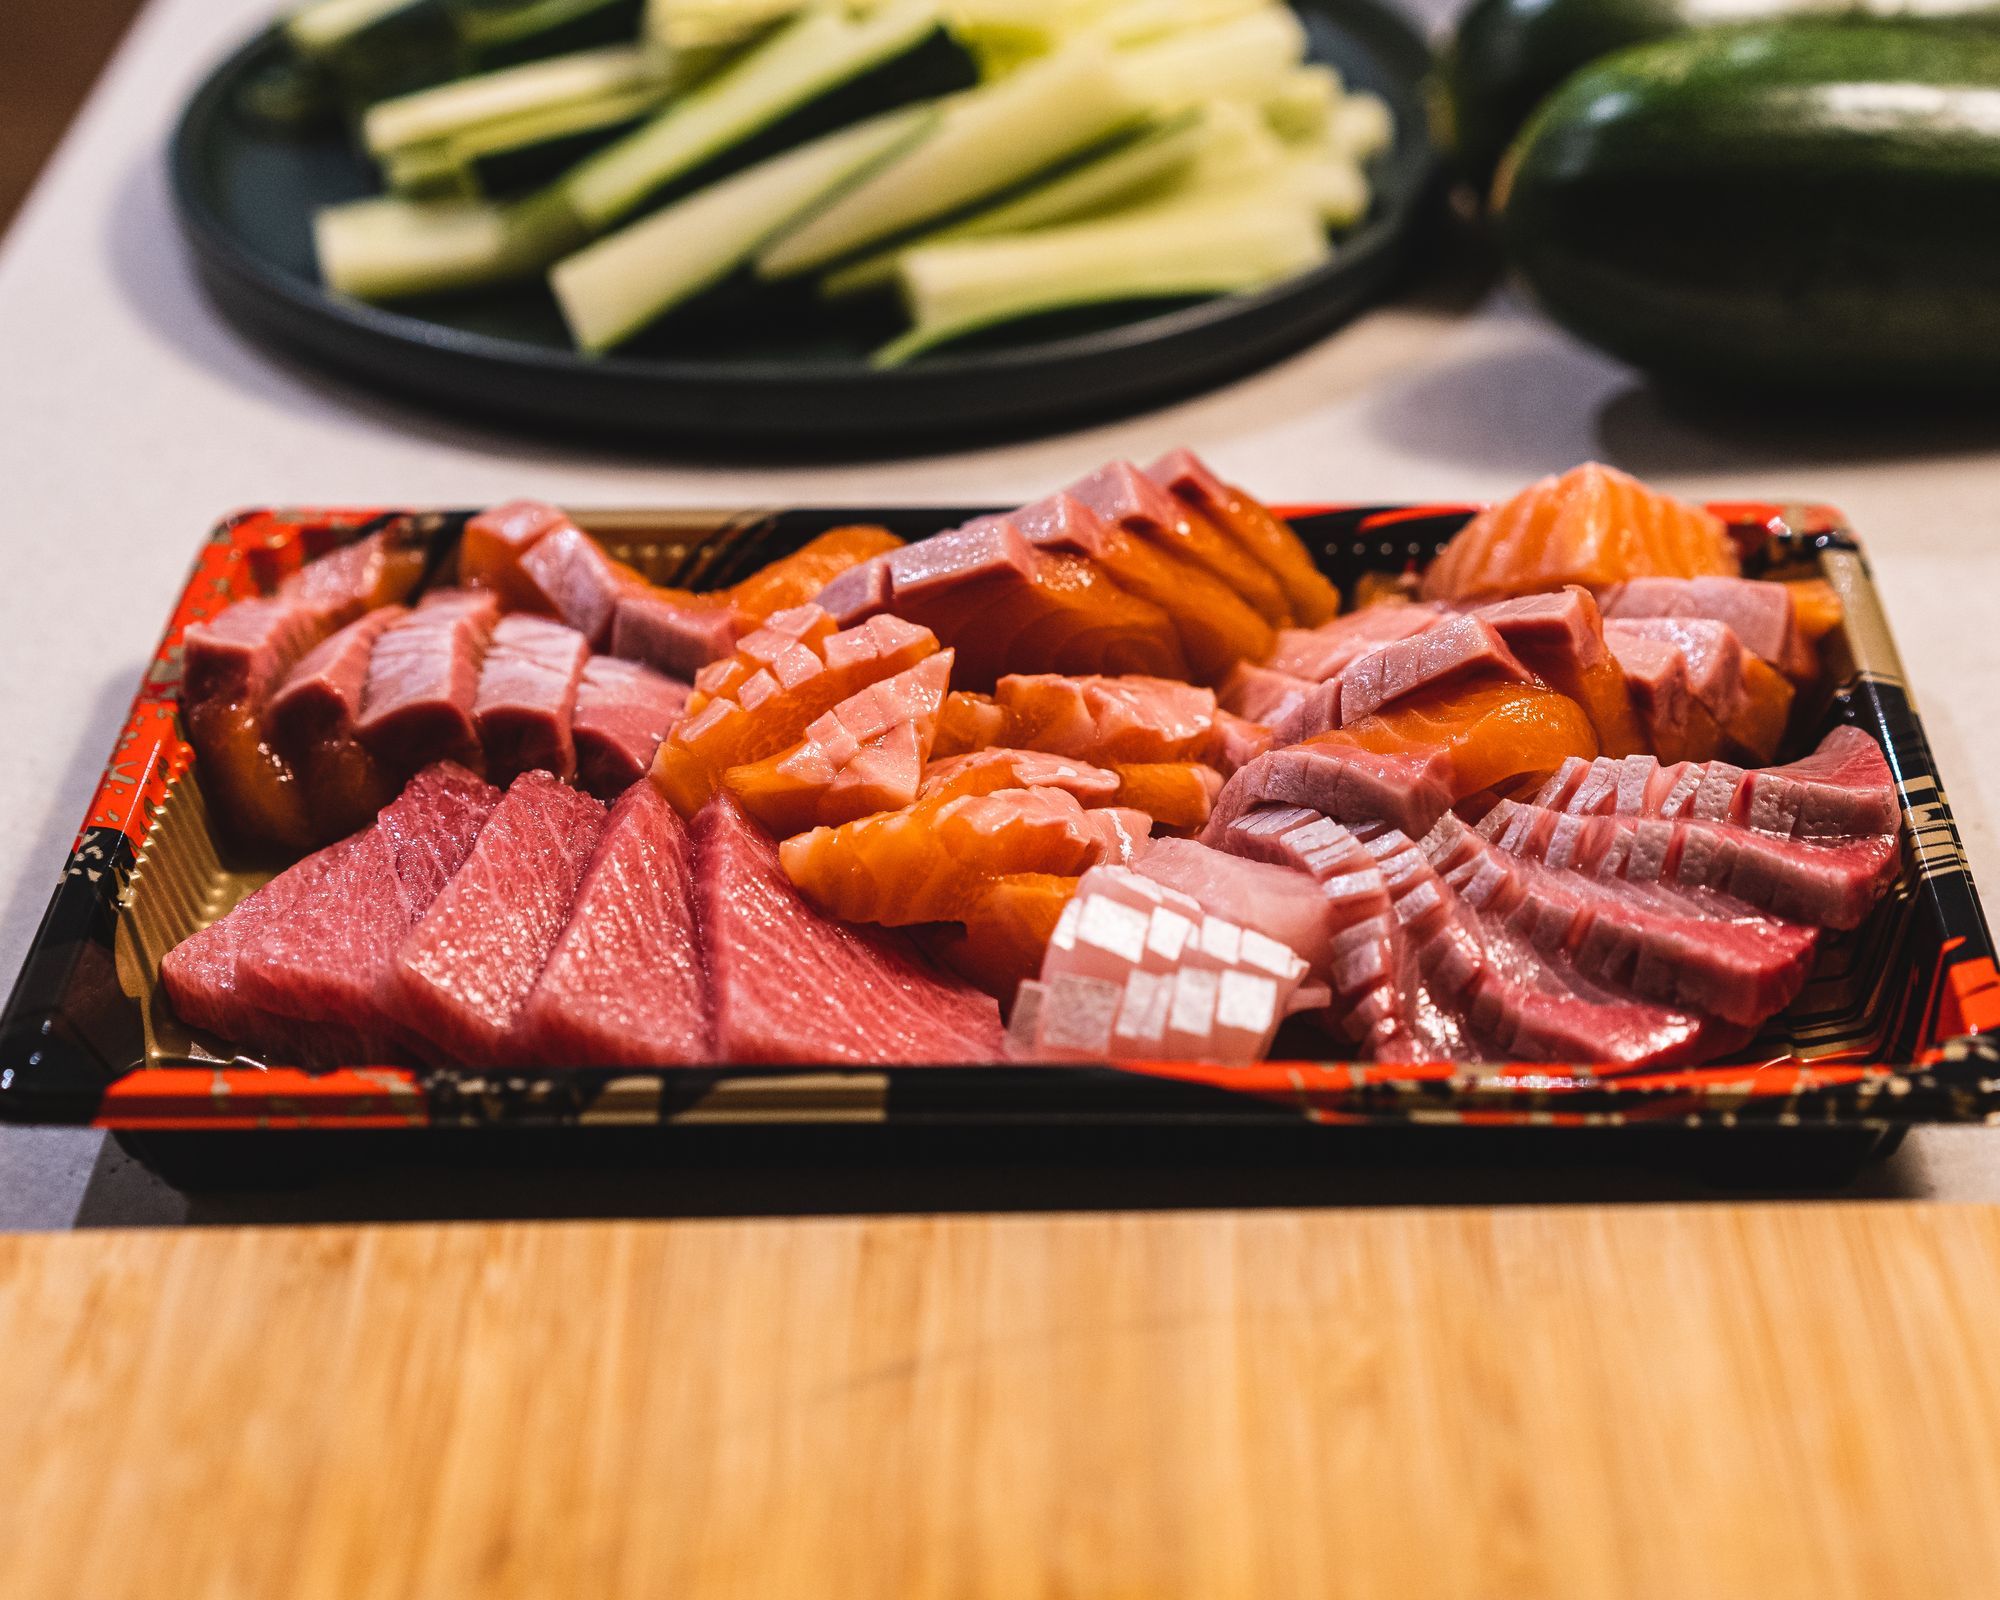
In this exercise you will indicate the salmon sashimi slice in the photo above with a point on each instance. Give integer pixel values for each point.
(1006, 931)
(1816, 607)
(679, 631)
(1217, 628)
(1560, 638)
(1594, 525)
(1493, 734)
(1177, 795)
(1122, 494)
(991, 770)
(968, 722)
(1108, 720)
(865, 755)
(777, 685)
(930, 861)
(1255, 527)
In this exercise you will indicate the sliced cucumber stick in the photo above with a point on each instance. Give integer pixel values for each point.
(492, 97)
(618, 285)
(987, 140)
(803, 60)
(1119, 176)
(1204, 246)
(1244, 59)
(387, 248)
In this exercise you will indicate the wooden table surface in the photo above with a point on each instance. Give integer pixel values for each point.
(1681, 1402)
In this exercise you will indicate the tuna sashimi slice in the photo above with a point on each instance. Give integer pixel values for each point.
(1678, 726)
(623, 710)
(1560, 638)
(200, 973)
(1411, 789)
(568, 576)
(1763, 615)
(1453, 651)
(490, 552)
(526, 699)
(1279, 901)
(370, 572)
(465, 969)
(623, 986)
(244, 652)
(1748, 698)
(422, 679)
(321, 696)
(329, 960)
(1262, 694)
(674, 633)
(790, 985)
(1317, 654)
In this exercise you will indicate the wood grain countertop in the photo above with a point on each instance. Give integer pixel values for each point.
(1768, 1401)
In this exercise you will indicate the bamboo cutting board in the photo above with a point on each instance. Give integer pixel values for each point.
(1675, 1402)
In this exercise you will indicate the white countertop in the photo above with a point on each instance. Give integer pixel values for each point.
(134, 418)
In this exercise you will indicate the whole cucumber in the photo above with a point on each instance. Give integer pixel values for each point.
(1799, 205)
(1507, 56)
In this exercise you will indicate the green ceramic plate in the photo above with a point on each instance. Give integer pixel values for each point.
(246, 192)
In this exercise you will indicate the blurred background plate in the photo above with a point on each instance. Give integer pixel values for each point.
(246, 191)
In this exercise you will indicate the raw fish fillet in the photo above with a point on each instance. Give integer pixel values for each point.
(865, 755)
(929, 862)
(1109, 720)
(1276, 900)
(490, 551)
(416, 706)
(967, 723)
(465, 969)
(327, 963)
(1177, 795)
(1317, 654)
(1006, 931)
(623, 986)
(526, 700)
(987, 771)
(1266, 536)
(1594, 525)
(1765, 616)
(311, 725)
(568, 576)
(1560, 638)
(1748, 698)
(623, 711)
(790, 985)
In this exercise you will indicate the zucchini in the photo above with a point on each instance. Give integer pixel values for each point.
(518, 151)
(1129, 170)
(1203, 246)
(1508, 55)
(986, 141)
(622, 283)
(1248, 58)
(1792, 206)
(389, 247)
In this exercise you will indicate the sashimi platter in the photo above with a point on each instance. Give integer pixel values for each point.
(1587, 804)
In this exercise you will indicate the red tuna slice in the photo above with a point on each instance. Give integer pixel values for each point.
(672, 635)
(860, 591)
(1749, 701)
(465, 970)
(526, 698)
(1560, 638)
(1456, 649)
(1832, 883)
(990, 771)
(489, 554)
(1278, 901)
(243, 653)
(1123, 495)
(311, 723)
(623, 986)
(1678, 726)
(1378, 1002)
(1262, 694)
(1517, 1003)
(1411, 788)
(1238, 742)
(1317, 654)
(370, 572)
(865, 755)
(1843, 789)
(327, 963)
(200, 974)
(790, 985)
(1109, 720)
(623, 710)
(570, 577)
(1762, 615)
(1696, 951)
(1266, 536)
(417, 703)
